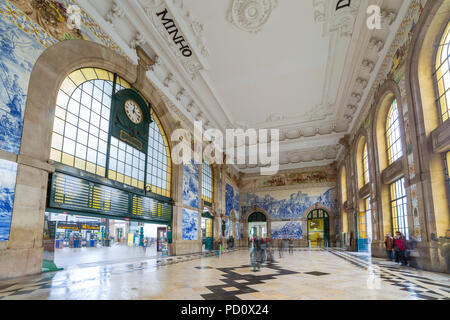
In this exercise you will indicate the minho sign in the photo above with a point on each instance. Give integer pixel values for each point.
(172, 29)
(341, 4)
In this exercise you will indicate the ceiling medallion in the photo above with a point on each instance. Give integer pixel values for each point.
(250, 15)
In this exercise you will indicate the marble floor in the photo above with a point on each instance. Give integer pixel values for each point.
(68, 258)
(305, 275)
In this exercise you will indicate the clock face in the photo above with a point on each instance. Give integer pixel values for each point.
(133, 112)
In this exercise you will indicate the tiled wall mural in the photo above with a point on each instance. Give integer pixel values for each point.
(286, 230)
(290, 204)
(290, 179)
(236, 234)
(8, 171)
(18, 53)
(231, 200)
(189, 229)
(190, 185)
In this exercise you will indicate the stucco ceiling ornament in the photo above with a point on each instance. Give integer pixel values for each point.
(250, 15)
(340, 20)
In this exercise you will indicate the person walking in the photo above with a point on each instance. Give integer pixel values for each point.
(255, 256)
(389, 244)
(263, 251)
(280, 248)
(270, 258)
(291, 246)
(285, 244)
(400, 248)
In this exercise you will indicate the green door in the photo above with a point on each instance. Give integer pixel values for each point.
(208, 236)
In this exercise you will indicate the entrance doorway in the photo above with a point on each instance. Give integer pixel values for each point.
(207, 231)
(318, 228)
(257, 226)
(85, 241)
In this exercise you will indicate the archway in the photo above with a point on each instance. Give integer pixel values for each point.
(261, 214)
(318, 224)
(34, 165)
(257, 225)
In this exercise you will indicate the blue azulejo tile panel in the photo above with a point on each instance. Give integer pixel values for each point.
(288, 204)
(8, 173)
(231, 200)
(237, 231)
(190, 185)
(189, 225)
(286, 230)
(18, 53)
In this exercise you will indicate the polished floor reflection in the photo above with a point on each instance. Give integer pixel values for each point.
(305, 275)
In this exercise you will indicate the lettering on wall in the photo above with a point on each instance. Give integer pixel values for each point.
(341, 4)
(172, 29)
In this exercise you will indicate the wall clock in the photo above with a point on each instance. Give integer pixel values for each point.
(133, 112)
(131, 119)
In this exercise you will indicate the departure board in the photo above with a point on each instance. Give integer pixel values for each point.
(77, 194)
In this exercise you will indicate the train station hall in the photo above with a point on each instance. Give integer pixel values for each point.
(224, 150)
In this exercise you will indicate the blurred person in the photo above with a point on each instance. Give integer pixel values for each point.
(400, 248)
(389, 244)
(263, 250)
(285, 244)
(280, 248)
(444, 246)
(255, 255)
(291, 246)
(270, 258)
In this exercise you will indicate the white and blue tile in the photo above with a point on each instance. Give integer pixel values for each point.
(18, 53)
(286, 230)
(190, 185)
(231, 200)
(189, 229)
(8, 173)
(292, 206)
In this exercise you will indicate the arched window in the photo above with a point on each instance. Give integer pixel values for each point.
(344, 184)
(81, 135)
(207, 182)
(365, 165)
(443, 74)
(447, 172)
(399, 207)
(393, 134)
(159, 163)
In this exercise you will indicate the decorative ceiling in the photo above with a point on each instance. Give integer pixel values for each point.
(304, 67)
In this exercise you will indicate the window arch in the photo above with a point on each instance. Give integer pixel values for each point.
(207, 182)
(365, 165)
(442, 74)
(343, 185)
(81, 135)
(159, 163)
(393, 134)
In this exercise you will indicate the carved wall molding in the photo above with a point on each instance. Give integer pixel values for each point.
(441, 138)
(336, 16)
(393, 172)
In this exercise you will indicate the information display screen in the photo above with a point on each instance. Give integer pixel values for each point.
(77, 194)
